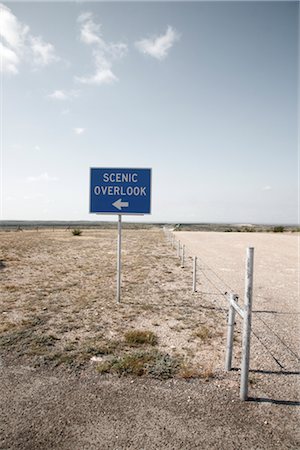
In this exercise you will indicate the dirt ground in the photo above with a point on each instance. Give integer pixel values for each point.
(71, 379)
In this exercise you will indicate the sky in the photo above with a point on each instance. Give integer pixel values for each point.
(204, 93)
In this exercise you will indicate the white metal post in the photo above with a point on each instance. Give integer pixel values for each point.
(182, 255)
(195, 274)
(119, 249)
(178, 249)
(230, 330)
(247, 324)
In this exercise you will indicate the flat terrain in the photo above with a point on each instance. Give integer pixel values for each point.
(71, 377)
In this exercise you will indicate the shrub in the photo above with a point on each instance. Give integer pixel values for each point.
(76, 232)
(278, 229)
(203, 333)
(153, 363)
(138, 337)
(163, 366)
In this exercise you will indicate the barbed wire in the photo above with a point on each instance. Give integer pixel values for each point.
(267, 349)
(224, 294)
(279, 338)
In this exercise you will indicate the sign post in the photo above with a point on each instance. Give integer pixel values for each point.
(120, 191)
(119, 262)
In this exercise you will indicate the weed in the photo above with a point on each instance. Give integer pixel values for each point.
(188, 372)
(104, 367)
(207, 372)
(140, 337)
(96, 348)
(76, 232)
(203, 333)
(147, 307)
(154, 364)
(163, 367)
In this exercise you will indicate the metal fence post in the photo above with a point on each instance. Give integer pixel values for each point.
(195, 274)
(182, 255)
(230, 331)
(178, 249)
(247, 324)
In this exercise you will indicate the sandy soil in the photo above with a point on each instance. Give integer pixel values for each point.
(59, 313)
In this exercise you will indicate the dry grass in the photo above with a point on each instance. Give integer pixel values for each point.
(138, 337)
(152, 363)
(58, 303)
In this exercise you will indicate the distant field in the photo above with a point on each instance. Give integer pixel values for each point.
(19, 225)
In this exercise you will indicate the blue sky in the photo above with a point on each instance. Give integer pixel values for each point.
(204, 93)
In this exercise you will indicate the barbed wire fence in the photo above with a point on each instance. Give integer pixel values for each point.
(220, 297)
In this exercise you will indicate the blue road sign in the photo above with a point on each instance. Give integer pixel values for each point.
(120, 191)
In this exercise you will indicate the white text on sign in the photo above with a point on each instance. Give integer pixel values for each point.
(116, 190)
(120, 177)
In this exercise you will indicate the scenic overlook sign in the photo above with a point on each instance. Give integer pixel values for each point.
(120, 191)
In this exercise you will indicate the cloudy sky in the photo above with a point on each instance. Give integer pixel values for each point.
(204, 93)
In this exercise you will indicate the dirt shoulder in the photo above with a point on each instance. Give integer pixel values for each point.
(46, 411)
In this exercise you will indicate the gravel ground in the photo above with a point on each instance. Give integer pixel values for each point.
(43, 411)
(54, 408)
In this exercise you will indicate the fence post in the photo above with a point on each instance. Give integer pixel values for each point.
(247, 324)
(230, 331)
(195, 274)
(182, 255)
(178, 249)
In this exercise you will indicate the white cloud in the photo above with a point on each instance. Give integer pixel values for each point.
(79, 131)
(267, 188)
(18, 45)
(37, 148)
(12, 31)
(90, 32)
(103, 73)
(43, 52)
(42, 177)
(104, 53)
(84, 16)
(158, 46)
(9, 60)
(63, 95)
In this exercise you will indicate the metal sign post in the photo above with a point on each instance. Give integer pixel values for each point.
(119, 262)
(120, 191)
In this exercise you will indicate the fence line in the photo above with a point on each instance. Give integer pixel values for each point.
(202, 268)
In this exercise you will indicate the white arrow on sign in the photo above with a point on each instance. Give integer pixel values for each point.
(119, 204)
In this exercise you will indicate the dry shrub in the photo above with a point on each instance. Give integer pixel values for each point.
(140, 337)
(188, 372)
(153, 363)
(203, 333)
(207, 372)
